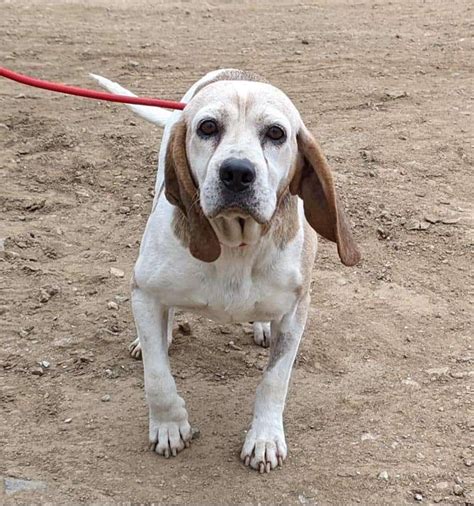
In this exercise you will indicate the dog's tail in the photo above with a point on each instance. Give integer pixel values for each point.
(154, 115)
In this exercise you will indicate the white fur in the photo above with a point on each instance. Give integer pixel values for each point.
(260, 282)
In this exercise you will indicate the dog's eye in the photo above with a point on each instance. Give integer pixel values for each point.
(276, 133)
(208, 127)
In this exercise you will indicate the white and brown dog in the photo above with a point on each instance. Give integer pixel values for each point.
(242, 187)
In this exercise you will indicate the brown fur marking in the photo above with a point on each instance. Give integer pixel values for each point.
(285, 220)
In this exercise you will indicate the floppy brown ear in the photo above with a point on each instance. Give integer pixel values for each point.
(313, 182)
(181, 191)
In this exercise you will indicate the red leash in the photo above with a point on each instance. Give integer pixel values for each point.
(82, 92)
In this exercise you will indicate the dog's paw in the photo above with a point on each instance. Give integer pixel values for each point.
(262, 333)
(264, 448)
(170, 431)
(135, 349)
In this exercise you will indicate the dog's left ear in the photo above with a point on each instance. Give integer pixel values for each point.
(313, 182)
(181, 191)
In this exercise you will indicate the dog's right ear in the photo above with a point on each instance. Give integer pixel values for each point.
(181, 191)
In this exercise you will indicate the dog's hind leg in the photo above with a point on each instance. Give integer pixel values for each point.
(262, 333)
(134, 347)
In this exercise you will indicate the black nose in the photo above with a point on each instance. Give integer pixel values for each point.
(237, 174)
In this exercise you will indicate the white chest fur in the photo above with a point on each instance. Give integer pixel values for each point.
(260, 283)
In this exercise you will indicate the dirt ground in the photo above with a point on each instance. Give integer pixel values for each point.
(384, 378)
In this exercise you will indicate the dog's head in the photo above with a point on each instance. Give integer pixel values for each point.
(239, 147)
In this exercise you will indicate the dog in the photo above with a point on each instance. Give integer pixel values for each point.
(242, 190)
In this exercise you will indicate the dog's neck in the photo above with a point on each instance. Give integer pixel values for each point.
(240, 235)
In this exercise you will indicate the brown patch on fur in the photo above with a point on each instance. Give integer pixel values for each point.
(285, 222)
(181, 227)
(313, 182)
(278, 348)
(181, 191)
(232, 75)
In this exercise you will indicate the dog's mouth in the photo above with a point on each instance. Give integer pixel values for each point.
(236, 231)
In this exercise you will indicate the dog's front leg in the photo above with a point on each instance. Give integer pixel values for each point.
(265, 445)
(169, 430)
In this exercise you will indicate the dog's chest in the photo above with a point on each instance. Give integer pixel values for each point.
(238, 292)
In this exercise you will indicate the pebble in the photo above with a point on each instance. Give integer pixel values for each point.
(68, 420)
(234, 346)
(118, 273)
(367, 436)
(46, 292)
(458, 490)
(440, 371)
(468, 462)
(37, 371)
(417, 225)
(195, 433)
(106, 255)
(45, 364)
(418, 497)
(105, 398)
(411, 383)
(383, 475)
(112, 305)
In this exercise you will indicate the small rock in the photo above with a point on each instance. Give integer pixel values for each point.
(457, 375)
(305, 42)
(234, 346)
(439, 371)
(133, 63)
(416, 225)
(411, 383)
(112, 305)
(383, 475)
(225, 330)
(124, 210)
(431, 218)
(45, 364)
(458, 489)
(106, 255)
(118, 273)
(121, 298)
(14, 485)
(105, 398)
(68, 420)
(418, 497)
(185, 328)
(382, 233)
(468, 462)
(2, 244)
(196, 433)
(37, 371)
(48, 291)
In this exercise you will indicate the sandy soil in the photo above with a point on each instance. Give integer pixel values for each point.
(383, 381)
